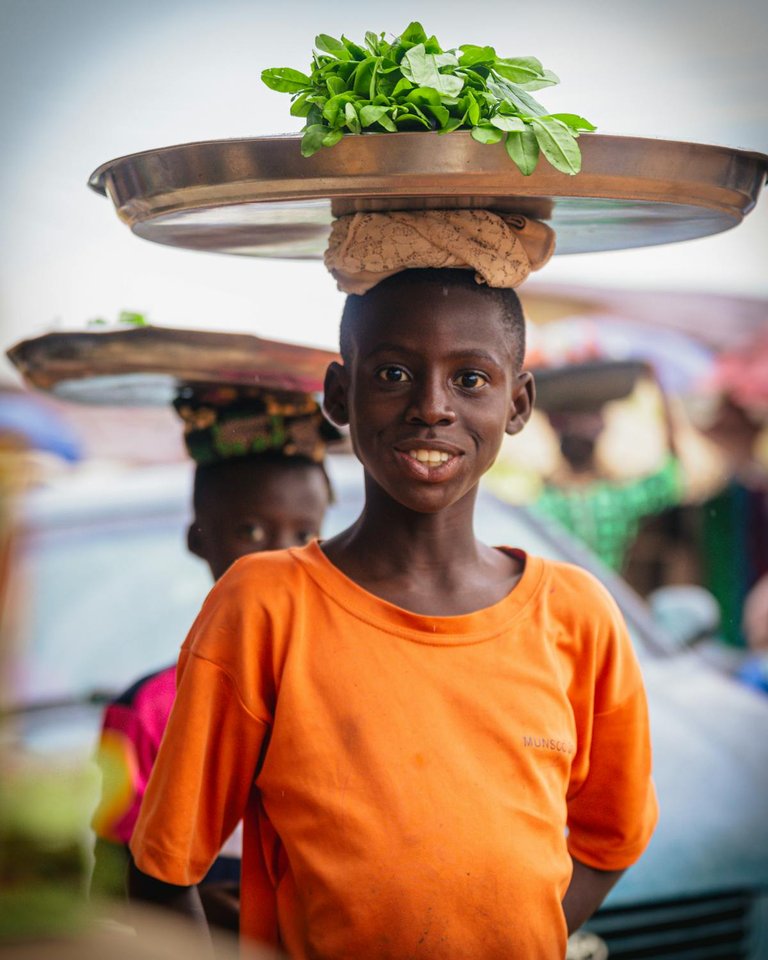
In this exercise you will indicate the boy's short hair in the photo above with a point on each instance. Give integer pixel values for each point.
(506, 299)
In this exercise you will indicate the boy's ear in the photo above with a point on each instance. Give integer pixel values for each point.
(335, 393)
(523, 399)
(195, 540)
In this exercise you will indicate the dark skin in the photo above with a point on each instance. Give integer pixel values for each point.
(432, 374)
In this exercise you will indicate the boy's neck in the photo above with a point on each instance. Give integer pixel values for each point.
(430, 564)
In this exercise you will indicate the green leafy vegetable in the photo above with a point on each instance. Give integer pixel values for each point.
(411, 83)
(127, 317)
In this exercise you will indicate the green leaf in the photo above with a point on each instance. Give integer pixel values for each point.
(486, 134)
(439, 113)
(523, 149)
(332, 137)
(446, 59)
(473, 109)
(519, 69)
(313, 138)
(314, 116)
(133, 318)
(471, 54)
(401, 86)
(371, 114)
(422, 69)
(372, 42)
(387, 122)
(335, 85)
(548, 79)
(513, 124)
(335, 107)
(453, 124)
(285, 80)
(363, 74)
(413, 33)
(558, 145)
(331, 45)
(422, 95)
(353, 121)
(357, 52)
(506, 90)
(408, 121)
(574, 121)
(300, 106)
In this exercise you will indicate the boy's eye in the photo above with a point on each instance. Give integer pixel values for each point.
(253, 533)
(393, 374)
(470, 380)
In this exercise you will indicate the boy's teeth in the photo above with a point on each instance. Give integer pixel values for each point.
(429, 456)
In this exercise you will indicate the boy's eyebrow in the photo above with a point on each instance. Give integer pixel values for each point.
(476, 353)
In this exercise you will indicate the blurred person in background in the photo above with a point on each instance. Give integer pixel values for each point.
(260, 484)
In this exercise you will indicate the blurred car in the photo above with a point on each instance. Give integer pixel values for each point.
(111, 592)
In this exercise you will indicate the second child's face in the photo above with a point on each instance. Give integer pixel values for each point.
(253, 509)
(431, 389)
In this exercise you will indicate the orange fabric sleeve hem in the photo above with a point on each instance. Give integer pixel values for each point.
(170, 869)
(618, 857)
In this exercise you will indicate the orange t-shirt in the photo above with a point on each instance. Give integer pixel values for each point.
(410, 785)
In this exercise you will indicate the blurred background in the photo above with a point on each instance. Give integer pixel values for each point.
(86, 81)
(647, 462)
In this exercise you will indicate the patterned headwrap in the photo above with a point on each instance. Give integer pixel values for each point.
(221, 422)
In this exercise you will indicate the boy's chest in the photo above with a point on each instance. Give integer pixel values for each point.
(415, 788)
(382, 716)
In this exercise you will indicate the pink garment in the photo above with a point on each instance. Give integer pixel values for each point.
(130, 738)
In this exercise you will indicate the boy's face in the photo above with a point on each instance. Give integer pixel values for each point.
(429, 391)
(246, 508)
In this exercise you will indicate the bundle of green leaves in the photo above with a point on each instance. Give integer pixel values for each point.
(413, 84)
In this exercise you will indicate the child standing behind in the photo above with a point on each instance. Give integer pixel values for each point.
(439, 748)
(255, 488)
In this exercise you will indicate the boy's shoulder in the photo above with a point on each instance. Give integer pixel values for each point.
(260, 587)
(579, 603)
(564, 582)
(267, 568)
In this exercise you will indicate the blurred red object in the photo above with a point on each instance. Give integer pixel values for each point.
(742, 375)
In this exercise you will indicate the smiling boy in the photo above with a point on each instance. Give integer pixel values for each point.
(440, 748)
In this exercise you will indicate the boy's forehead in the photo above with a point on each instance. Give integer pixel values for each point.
(421, 312)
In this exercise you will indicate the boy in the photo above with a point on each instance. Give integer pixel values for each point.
(259, 485)
(408, 720)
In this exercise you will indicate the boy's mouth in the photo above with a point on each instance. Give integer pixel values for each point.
(428, 456)
(428, 462)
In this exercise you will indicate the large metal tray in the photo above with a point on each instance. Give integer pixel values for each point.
(146, 366)
(260, 197)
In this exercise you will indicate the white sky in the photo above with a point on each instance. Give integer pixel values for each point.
(85, 81)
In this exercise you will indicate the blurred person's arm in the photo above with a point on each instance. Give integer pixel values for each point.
(755, 616)
(586, 891)
(168, 896)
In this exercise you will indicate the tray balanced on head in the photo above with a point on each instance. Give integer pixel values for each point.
(260, 197)
(146, 366)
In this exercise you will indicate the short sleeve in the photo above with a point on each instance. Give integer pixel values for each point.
(612, 808)
(209, 755)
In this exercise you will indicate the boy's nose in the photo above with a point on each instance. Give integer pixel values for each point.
(431, 404)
